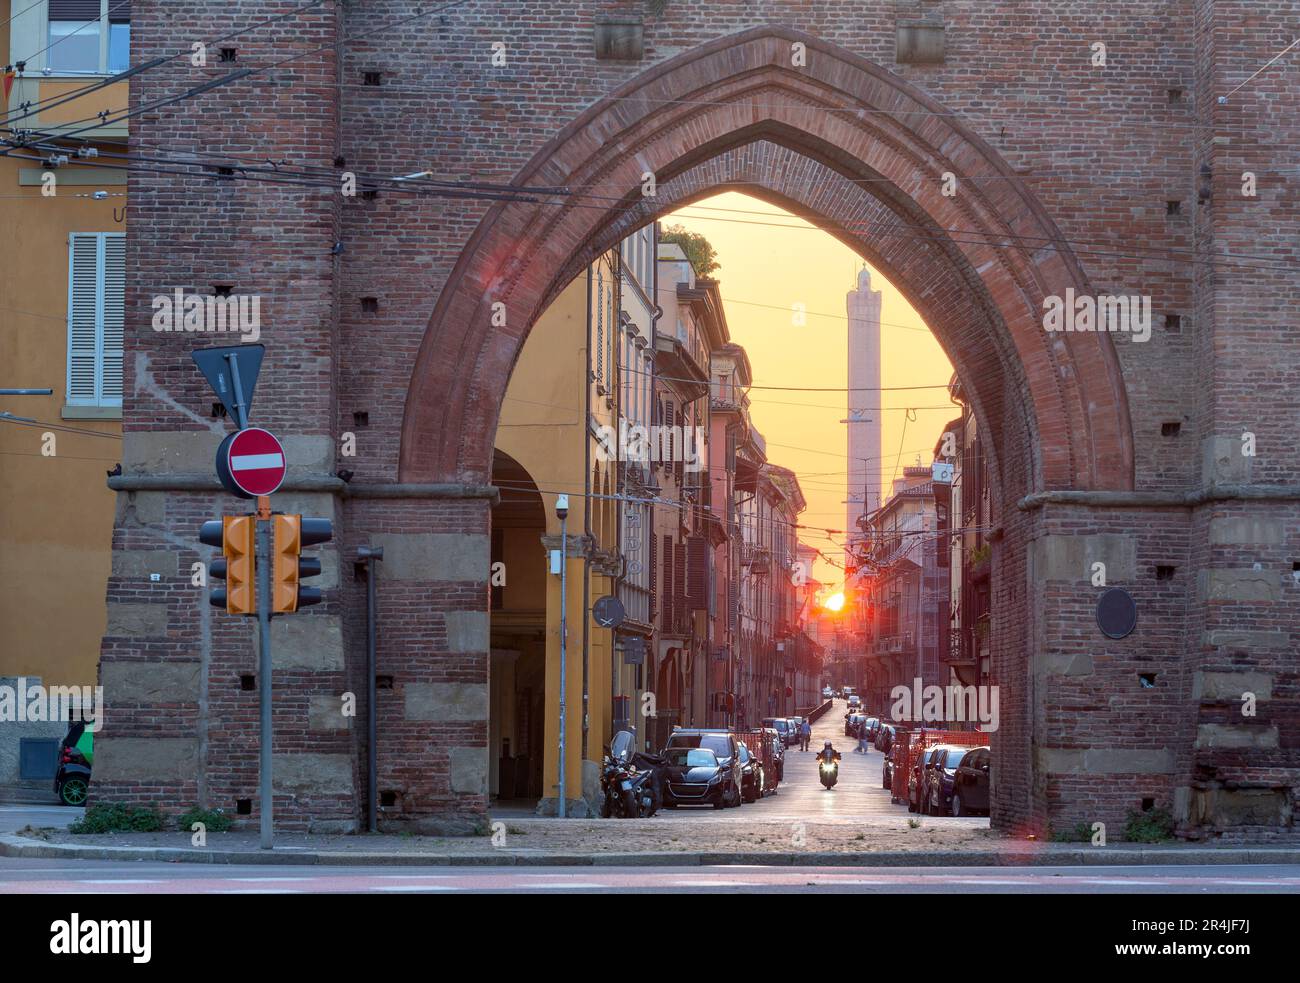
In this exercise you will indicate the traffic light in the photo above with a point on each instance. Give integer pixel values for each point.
(291, 534)
(237, 537)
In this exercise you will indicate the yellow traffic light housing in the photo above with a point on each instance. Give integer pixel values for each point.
(285, 548)
(290, 533)
(239, 546)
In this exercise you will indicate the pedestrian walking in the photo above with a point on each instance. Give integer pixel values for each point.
(862, 737)
(805, 734)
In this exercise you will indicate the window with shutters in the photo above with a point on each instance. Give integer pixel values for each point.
(88, 37)
(679, 580)
(96, 285)
(600, 330)
(654, 570)
(670, 599)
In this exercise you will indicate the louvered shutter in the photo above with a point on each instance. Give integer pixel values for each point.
(600, 329)
(733, 604)
(698, 579)
(80, 10)
(670, 600)
(96, 304)
(653, 542)
(83, 318)
(679, 578)
(113, 304)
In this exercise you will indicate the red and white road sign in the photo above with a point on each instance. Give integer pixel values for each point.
(255, 461)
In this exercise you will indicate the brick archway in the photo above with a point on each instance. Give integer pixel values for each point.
(976, 264)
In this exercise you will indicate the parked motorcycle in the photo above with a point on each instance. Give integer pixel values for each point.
(629, 792)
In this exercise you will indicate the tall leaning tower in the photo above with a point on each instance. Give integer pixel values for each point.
(864, 463)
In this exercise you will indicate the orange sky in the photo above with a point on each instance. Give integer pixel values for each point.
(772, 260)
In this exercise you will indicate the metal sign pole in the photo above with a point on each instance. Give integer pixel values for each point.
(264, 603)
(241, 411)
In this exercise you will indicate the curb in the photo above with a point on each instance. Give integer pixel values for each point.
(22, 847)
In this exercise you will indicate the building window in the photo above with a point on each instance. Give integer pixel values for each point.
(96, 285)
(88, 37)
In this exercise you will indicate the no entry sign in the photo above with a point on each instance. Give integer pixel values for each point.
(251, 462)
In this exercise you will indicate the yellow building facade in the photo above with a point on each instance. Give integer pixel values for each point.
(566, 386)
(62, 280)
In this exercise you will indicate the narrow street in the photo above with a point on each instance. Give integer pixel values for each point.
(858, 793)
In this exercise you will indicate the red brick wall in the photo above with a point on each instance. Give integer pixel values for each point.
(1047, 146)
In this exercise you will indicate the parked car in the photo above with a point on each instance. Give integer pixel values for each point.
(885, 734)
(918, 779)
(76, 755)
(776, 773)
(888, 769)
(872, 725)
(753, 782)
(852, 721)
(794, 730)
(694, 776)
(724, 747)
(781, 725)
(776, 748)
(970, 786)
(943, 767)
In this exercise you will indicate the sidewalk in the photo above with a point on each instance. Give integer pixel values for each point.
(666, 841)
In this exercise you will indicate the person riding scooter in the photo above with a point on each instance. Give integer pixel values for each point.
(828, 765)
(828, 753)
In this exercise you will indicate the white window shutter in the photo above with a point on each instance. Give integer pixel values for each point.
(114, 301)
(83, 318)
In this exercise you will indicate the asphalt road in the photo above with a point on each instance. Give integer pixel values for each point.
(857, 796)
(15, 816)
(111, 877)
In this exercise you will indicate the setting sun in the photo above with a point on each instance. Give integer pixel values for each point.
(835, 602)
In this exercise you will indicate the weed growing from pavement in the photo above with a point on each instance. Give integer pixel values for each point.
(213, 820)
(118, 819)
(1153, 826)
(1080, 833)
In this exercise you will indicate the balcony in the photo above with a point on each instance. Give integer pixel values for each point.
(758, 559)
(675, 357)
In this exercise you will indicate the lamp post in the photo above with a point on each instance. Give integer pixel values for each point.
(562, 511)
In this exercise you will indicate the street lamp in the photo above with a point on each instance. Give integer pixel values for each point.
(562, 512)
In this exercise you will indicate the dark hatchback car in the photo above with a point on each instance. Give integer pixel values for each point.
(918, 780)
(939, 783)
(782, 727)
(724, 747)
(693, 777)
(752, 778)
(970, 786)
(884, 739)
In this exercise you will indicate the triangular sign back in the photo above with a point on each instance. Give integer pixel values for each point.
(214, 363)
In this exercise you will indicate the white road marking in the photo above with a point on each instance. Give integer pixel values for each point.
(258, 880)
(416, 887)
(120, 880)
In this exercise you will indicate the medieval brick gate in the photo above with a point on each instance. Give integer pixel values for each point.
(377, 314)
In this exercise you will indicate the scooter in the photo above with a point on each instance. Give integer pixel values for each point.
(829, 770)
(629, 792)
